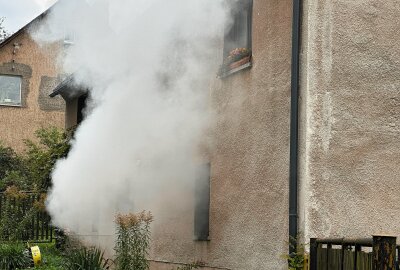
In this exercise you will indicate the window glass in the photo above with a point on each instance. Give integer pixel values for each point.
(238, 32)
(237, 42)
(10, 90)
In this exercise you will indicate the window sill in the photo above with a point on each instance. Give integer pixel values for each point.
(10, 105)
(230, 72)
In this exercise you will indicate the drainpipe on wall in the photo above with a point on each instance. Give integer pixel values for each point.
(294, 124)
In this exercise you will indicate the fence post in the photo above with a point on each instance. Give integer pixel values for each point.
(313, 253)
(384, 253)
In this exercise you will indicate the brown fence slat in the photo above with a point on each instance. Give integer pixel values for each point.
(351, 254)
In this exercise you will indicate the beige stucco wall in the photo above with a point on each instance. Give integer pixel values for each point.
(350, 127)
(38, 110)
(249, 161)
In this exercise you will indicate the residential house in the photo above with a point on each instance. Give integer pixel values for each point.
(309, 147)
(28, 74)
(306, 137)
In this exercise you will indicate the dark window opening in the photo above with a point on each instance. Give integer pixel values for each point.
(237, 41)
(81, 108)
(238, 32)
(202, 204)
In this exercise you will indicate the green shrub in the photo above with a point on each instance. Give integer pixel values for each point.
(31, 170)
(86, 259)
(9, 161)
(12, 256)
(133, 239)
(41, 158)
(297, 258)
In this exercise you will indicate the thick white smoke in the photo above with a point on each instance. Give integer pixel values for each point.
(148, 64)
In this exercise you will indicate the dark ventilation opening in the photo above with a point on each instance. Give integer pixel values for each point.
(81, 107)
(202, 204)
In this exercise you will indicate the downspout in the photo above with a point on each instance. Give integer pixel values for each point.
(294, 125)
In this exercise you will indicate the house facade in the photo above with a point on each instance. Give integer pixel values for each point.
(339, 143)
(28, 74)
(307, 148)
(249, 164)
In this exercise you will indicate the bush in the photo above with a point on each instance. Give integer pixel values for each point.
(297, 258)
(9, 161)
(133, 239)
(86, 259)
(41, 158)
(31, 171)
(12, 256)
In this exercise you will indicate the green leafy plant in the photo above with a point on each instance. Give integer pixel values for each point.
(12, 256)
(296, 259)
(31, 170)
(41, 157)
(84, 258)
(133, 239)
(9, 161)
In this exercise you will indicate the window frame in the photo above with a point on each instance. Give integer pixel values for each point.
(243, 6)
(20, 91)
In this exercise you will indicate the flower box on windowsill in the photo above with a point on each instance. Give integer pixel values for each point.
(239, 63)
(244, 63)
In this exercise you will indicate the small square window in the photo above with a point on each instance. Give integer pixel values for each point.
(10, 90)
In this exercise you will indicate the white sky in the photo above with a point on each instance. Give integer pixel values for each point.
(20, 12)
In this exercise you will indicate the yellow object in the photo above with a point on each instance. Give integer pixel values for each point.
(37, 258)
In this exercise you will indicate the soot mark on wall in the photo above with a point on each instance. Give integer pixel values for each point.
(46, 103)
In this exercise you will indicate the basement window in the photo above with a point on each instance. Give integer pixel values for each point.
(202, 204)
(238, 39)
(10, 90)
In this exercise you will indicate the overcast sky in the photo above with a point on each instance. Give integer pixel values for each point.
(20, 12)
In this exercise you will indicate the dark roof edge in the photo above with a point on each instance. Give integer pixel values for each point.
(60, 88)
(68, 89)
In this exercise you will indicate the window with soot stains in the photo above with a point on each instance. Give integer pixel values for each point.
(10, 90)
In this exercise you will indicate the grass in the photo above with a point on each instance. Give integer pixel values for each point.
(12, 256)
(52, 259)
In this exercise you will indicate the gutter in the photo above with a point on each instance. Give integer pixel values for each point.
(294, 126)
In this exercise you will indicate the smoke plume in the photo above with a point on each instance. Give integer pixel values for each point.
(148, 65)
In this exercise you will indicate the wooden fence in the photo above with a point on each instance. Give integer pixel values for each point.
(377, 253)
(24, 218)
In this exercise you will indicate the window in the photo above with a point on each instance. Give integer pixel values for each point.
(237, 42)
(10, 90)
(202, 204)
